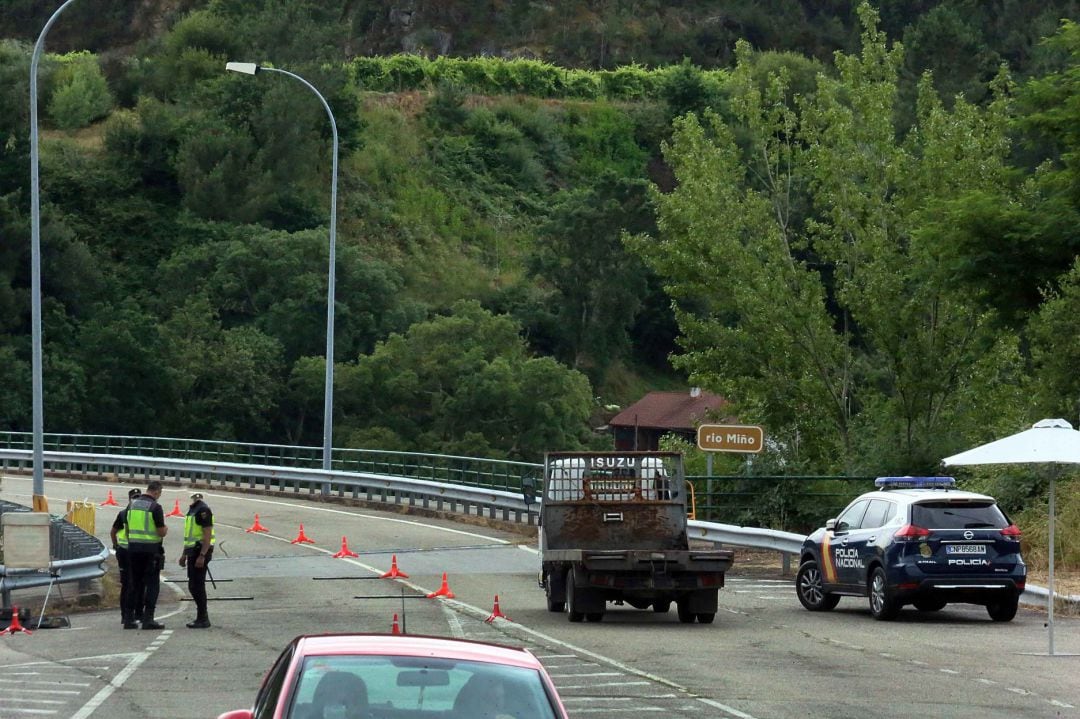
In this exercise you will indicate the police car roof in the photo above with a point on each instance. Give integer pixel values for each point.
(914, 495)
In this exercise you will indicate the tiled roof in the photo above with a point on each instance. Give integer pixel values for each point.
(671, 410)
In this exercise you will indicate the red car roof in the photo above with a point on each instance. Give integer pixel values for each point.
(413, 645)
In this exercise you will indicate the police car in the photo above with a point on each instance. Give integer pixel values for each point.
(919, 541)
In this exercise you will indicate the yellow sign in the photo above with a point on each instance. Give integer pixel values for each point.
(730, 438)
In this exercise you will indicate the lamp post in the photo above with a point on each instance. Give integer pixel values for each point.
(39, 502)
(250, 68)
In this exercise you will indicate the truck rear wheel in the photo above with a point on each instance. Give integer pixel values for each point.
(662, 607)
(685, 615)
(554, 591)
(571, 592)
(706, 618)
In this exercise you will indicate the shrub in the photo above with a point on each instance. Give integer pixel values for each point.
(81, 94)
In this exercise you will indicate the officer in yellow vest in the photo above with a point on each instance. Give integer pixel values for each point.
(198, 551)
(118, 534)
(145, 523)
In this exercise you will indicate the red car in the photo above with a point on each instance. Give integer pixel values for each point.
(381, 676)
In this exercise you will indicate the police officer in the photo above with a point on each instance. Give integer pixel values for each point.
(198, 551)
(118, 534)
(145, 523)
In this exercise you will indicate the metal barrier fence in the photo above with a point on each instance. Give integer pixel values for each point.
(74, 556)
(786, 503)
(500, 474)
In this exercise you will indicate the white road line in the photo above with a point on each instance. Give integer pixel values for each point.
(27, 711)
(46, 691)
(452, 620)
(618, 709)
(116, 682)
(53, 682)
(329, 510)
(567, 700)
(587, 674)
(565, 688)
(20, 700)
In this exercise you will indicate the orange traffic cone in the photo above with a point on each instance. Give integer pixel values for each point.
(175, 510)
(394, 572)
(109, 501)
(302, 538)
(345, 551)
(15, 625)
(256, 527)
(394, 628)
(496, 613)
(443, 591)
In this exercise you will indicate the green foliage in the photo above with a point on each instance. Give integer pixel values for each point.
(802, 285)
(80, 94)
(492, 76)
(463, 383)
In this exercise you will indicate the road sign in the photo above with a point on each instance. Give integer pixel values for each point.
(730, 438)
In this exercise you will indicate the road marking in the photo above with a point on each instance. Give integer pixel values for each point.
(118, 681)
(601, 684)
(589, 674)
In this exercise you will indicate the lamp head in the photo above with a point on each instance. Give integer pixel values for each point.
(247, 68)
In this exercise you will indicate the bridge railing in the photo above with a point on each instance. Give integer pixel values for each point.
(499, 474)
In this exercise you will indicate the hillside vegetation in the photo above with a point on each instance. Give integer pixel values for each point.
(860, 226)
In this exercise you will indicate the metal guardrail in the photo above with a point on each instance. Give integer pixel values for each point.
(75, 556)
(385, 488)
(452, 469)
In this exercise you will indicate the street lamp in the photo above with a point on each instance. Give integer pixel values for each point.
(250, 68)
(39, 502)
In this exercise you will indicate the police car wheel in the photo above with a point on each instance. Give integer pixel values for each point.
(930, 605)
(882, 604)
(811, 590)
(1003, 611)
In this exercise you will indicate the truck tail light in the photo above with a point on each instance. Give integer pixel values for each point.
(911, 533)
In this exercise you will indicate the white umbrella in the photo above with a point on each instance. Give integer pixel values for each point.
(1050, 441)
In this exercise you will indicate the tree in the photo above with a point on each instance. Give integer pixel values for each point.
(463, 383)
(803, 287)
(80, 94)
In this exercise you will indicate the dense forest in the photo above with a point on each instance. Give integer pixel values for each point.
(856, 222)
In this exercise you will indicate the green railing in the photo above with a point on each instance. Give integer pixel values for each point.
(789, 503)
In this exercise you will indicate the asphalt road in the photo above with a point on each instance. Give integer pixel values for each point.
(765, 657)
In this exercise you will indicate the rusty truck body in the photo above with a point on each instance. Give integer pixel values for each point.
(613, 528)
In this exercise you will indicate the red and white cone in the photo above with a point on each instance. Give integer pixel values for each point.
(496, 613)
(394, 628)
(302, 538)
(109, 501)
(394, 572)
(443, 591)
(175, 510)
(345, 551)
(15, 625)
(256, 527)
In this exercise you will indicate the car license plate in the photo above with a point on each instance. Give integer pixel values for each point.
(965, 549)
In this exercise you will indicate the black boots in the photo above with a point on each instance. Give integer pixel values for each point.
(149, 623)
(199, 623)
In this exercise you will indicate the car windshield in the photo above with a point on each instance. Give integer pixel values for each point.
(358, 687)
(958, 515)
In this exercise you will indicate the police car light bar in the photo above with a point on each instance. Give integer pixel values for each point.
(914, 482)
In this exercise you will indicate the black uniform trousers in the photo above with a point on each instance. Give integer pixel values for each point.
(196, 579)
(145, 570)
(126, 613)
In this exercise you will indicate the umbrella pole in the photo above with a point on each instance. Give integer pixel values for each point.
(1050, 596)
